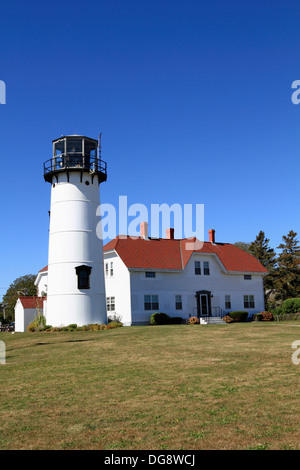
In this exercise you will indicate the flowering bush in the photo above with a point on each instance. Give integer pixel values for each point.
(193, 321)
(267, 316)
(263, 316)
(114, 324)
(227, 319)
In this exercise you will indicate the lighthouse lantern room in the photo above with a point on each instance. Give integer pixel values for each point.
(76, 289)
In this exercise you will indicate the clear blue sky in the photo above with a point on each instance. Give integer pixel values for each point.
(193, 98)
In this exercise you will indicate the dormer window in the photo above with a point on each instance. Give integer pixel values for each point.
(206, 268)
(197, 267)
(83, 276)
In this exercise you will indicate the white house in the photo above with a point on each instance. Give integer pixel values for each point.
(180, 277)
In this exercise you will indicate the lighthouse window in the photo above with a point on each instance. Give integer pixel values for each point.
(90, 148)
(83, 276)
(74, 152)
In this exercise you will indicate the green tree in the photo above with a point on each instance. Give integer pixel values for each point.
(266, 255)
(243, 246)
(288, 277)
(21, 286)
(263, 252)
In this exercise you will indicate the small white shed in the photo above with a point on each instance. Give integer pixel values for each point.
(26, 309)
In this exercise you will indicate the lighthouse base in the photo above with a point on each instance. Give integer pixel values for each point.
(78, 309)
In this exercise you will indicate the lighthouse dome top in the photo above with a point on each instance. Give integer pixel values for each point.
(75, 153)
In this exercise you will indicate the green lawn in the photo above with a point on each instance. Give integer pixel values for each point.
(230, 386)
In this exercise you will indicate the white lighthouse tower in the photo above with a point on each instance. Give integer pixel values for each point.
(76, 289)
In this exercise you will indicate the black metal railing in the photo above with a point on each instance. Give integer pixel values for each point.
(215, 312)
(218, 312)
(75, 162)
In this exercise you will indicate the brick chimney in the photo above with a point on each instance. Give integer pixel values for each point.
(211, 233)
(144, 230)
(170, 233)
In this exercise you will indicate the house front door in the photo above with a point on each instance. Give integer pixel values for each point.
(203, 303)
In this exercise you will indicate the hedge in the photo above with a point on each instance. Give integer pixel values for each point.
(291, 306)
(288, 310)
(238, 316)
(161, 318)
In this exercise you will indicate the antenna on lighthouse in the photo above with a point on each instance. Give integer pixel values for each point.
(99, 144)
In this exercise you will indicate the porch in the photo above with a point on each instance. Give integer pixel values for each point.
(204, 310)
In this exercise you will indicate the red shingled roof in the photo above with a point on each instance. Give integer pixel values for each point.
(136, 252)
(44, 269)
(162, 253)
(31, 301)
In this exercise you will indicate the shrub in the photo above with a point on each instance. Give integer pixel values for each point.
(193, 321)
(291, 306)
(238, 316)
(267, 316)
(263, 316)
(72, 326)
(287, 316)
(164, 319)
(115, 324)
(175, 320)
(32, 327)
(38, 323)
(159, 319)
(257, 317)
(93, 327)
(277, 311)
(227, 319)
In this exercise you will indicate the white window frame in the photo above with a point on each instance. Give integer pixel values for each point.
(178, 302)
(197, 266)
(206, 268)
(227, 296)
(248, 303)
(111, 304)
(150, 274)
(151, 301)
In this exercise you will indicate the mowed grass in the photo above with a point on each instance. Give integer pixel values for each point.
(176, 387)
